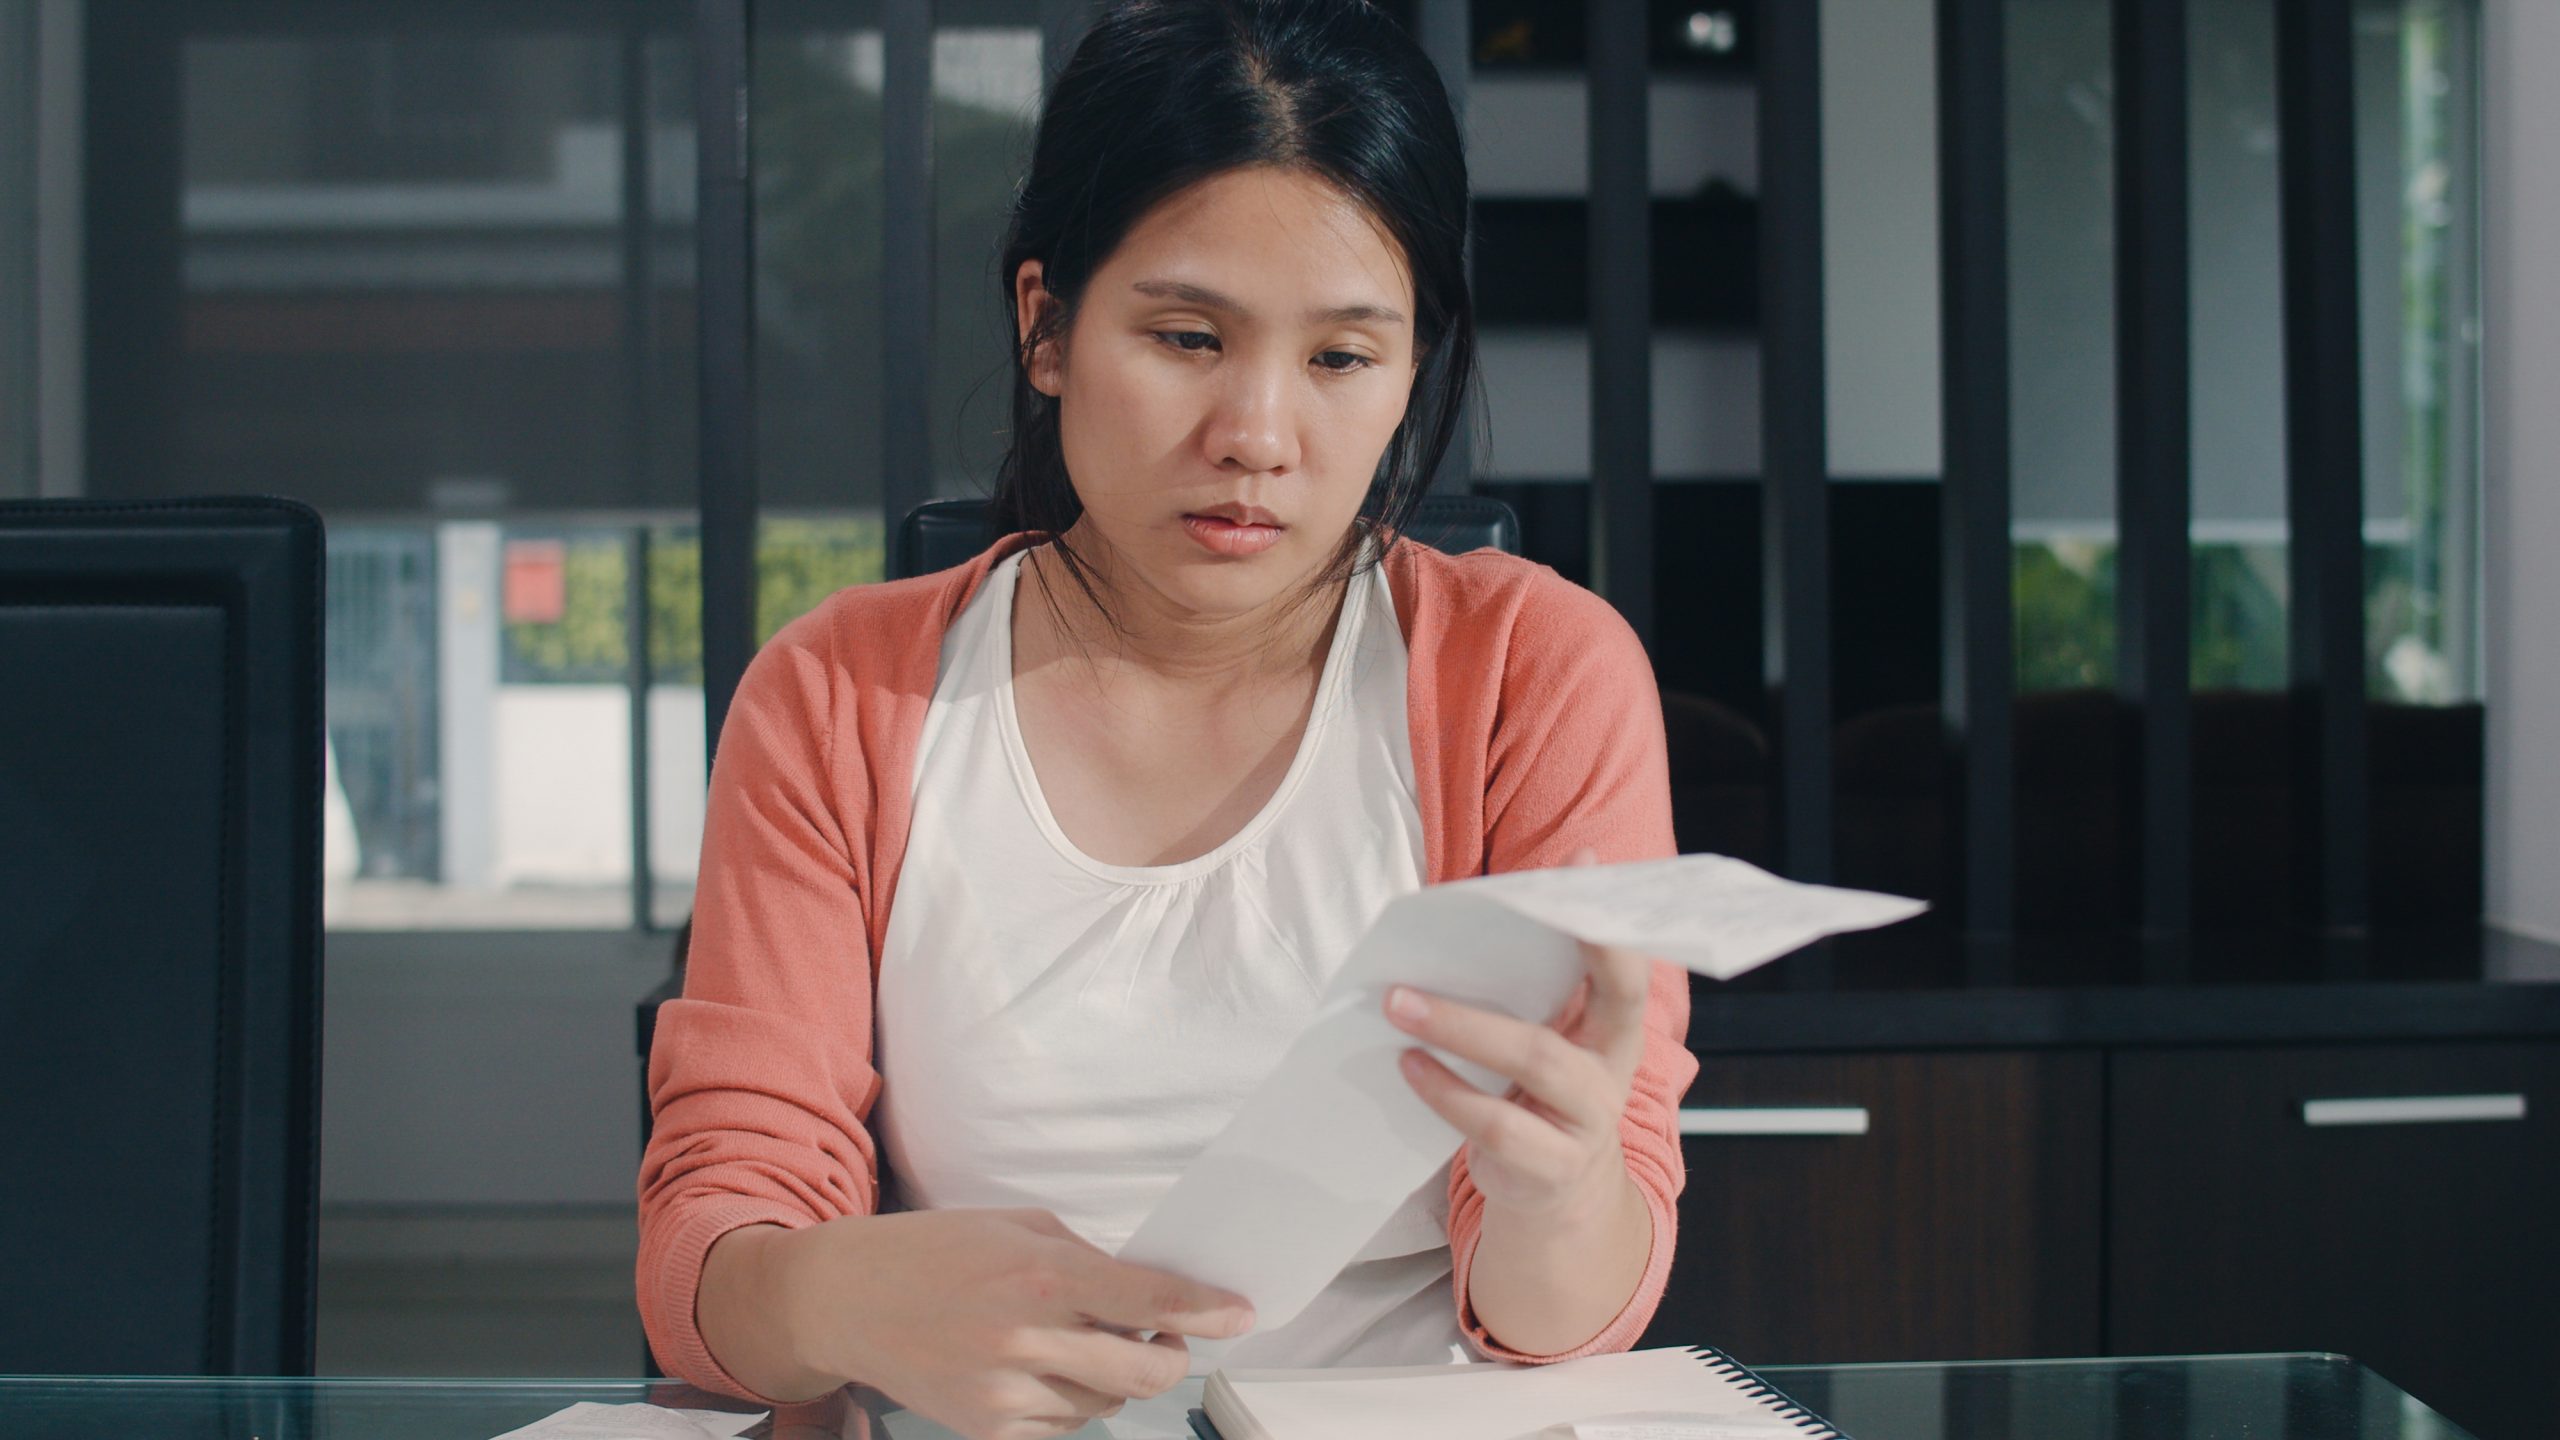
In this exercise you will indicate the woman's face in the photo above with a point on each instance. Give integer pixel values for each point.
(1233, 373)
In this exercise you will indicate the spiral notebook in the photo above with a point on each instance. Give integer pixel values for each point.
(1682, 1394)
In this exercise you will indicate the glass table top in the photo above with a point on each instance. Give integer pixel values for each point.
(2226, 1397)
(2213, 1397)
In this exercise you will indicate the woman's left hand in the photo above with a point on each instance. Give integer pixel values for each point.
(1550, 1147)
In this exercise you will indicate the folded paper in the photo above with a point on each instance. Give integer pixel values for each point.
(1334, 1140)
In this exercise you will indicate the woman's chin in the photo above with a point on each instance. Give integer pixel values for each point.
(1211, 585)
(1219, 591)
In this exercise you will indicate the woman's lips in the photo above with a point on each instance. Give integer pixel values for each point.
(1231, 537)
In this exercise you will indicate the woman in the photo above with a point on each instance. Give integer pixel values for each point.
(1137, 776)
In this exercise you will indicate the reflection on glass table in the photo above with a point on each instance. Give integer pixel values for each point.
(2212, 1397)
(2219, 1397)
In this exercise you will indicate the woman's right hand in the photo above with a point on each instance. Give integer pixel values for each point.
(999, 1324)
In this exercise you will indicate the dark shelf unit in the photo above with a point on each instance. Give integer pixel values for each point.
(1532, 262)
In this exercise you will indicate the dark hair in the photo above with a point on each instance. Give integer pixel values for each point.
(1162, 94)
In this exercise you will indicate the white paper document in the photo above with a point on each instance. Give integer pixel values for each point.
(1674, 1426)
(1322, 1154)
(588, 1420)
(1163, 1418)
(1669, 1394)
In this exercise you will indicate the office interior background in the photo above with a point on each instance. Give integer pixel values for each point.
(441, 270)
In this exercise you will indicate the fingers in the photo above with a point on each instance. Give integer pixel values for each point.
(1568, 1018)
(1115, 1367)
(1053, 1397)
(1493, 1126)
(1134, 1297)
(1566, 1078)
(1618, 984)
(1615, 988)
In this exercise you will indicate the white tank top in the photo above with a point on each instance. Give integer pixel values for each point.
(1057, 1032)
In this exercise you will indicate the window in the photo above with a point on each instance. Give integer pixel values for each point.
(17, 250)
(2417, 201)
(431, 271)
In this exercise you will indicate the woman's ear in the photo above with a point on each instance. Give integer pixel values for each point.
(1037, 312)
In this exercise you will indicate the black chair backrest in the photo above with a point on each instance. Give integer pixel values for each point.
(942, 533)
(160, 786)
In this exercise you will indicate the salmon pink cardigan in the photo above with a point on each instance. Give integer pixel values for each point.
(1536, 731)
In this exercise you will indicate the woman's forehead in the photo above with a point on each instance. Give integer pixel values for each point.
(1275, 243)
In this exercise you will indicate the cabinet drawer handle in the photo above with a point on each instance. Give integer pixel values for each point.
(1775, 1120)
(2413, 1110)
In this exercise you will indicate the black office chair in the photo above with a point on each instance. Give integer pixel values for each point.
(160, 791)
(942, 533)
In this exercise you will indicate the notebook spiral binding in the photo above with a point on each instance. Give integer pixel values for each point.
(1759, 1389)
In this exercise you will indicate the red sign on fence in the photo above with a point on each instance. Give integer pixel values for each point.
(537, 583)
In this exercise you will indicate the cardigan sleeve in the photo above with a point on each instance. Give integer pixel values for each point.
(1577, 758)
(761, 1076)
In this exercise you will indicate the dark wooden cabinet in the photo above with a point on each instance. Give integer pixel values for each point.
(2138, 1199)
(1964, 1223)
(2426, 1249)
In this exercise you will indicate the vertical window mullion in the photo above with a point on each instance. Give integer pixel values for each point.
(906, 258)
(1444, 27)
(635, 639)
(2324, 479)
(1978, 678)
(1621, 231)
(1795, 481)
(725, 257)
(2154, 464)
(639, 345)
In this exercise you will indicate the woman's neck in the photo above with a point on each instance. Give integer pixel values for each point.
(1147, 635)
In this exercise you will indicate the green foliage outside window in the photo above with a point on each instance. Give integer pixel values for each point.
(799, 562)
(2065, 597)
(2065, 594)
(2237, 594)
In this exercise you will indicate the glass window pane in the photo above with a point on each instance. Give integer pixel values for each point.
(986, 99)
(17, 247)
(2237, 305)
(2062, 353)
(1880, 237)
(2072, 815)
(2416, 94)
(816, 133)
(1882, 356)
(428, 269)
(2237, 583)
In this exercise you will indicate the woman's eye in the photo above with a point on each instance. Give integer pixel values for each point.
(1201, 342)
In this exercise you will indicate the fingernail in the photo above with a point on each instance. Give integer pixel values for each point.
(1237, 1322)
(1406, 1004)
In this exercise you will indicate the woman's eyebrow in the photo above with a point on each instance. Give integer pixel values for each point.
(1208, 299)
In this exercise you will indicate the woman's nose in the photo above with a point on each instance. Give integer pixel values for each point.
(1254, 428)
